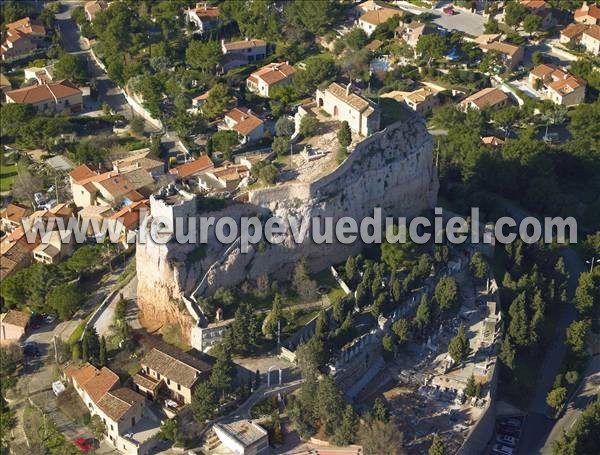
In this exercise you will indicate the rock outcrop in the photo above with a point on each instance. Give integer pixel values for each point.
(392, 169)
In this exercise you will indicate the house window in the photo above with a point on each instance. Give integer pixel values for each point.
(112, 428)
(178, 386)
(168, 381)
(132, 421)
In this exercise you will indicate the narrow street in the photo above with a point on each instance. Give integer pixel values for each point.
(538, 423)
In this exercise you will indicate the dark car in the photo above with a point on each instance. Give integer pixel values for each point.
(31, 349)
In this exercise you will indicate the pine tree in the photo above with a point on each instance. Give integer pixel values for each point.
(350, 269)
(423, 316)
(274, 318)
(395, 287)
(204, 401)
(401, 330)
(103, 355)
(437, 446)
(458, 348)
(518, 328)
(344, 135)
(472, 389)
(379, 411)
(507, 353)
(346, 432)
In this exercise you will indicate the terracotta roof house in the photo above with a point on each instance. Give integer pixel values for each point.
(178, 371)
(94, 7)
(343, 103)
(371, 5)
(374, 45)
(269, 76)
(15, 257)
(61, 96)
(557, 85)
(590, 39)
(193, 168)
(198, 101)
(121, 409)
(83, 172)
(422, 100)
(139, 159)
(239, 53)
(412, 31)
(55, 245)
(511, 55)
(108, 188)
(371, 19)
(572, 32)
(589, 13)
(250, 127)
(203, 17)
(487, 98)
(91, 383)
(224, 178)
(539, 8)
(12, 215)
(130, 218)
(13, 325)
(21, 38)
(493, 141)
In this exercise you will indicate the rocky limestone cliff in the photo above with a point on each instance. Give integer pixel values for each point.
(391, 169)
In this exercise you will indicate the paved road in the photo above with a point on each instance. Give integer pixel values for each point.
(105, 319)
(585, 394)
(107, 90)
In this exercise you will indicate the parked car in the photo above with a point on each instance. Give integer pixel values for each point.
(82, 444)
(506, 440)
(515, 423)
(511, 431)
(449, 10)
(49, 319)
(551, 138)
(31, 349)
(39, 198)
(502, 449)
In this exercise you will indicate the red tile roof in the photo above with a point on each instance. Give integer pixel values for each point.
(593, 31)
(44, 92)
(274, 72)
(14, 213)
(591, 10)
(202, 163)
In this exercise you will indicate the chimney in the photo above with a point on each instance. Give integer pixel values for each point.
(348, 88)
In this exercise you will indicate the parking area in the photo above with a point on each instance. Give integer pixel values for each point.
(461, 20)
(507, 435)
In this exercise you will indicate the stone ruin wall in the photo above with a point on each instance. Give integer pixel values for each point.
(391, 169)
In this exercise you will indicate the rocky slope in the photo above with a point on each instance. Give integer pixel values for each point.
(391, 169)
